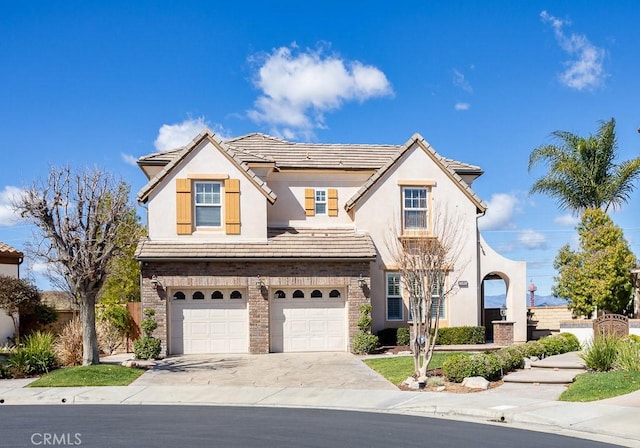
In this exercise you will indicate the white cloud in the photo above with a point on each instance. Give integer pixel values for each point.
(8, 217)
(129, 159)
(532, 240)
(173, 136)
(298, 87)
(500, 210)
(462, 106)
(460, 81)
(585, 69)
(567, 220)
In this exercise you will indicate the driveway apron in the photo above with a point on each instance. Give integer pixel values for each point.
(334, 370)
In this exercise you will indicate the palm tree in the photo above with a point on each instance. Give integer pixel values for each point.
(582, 173)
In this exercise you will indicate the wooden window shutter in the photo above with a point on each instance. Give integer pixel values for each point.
(184, 208)
(333, 201)
(309, 201)
(232, 206)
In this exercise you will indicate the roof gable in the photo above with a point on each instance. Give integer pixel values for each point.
(446, 165)
(175, 157)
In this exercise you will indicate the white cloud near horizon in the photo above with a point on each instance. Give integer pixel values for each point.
(585, 68)
(500, 210)
(566, 220)
(129, 159)
(8, 216)
(462, 106)
(532, 239)
(298, 87)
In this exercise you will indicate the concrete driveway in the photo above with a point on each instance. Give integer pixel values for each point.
(319, 370)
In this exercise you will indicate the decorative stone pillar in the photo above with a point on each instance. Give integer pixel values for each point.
(502, 332)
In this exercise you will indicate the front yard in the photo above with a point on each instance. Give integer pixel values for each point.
(95, 375)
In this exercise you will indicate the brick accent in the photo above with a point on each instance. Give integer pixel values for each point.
(502, 332)
(243, 275)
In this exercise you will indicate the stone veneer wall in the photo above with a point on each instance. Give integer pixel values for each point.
(243, 275)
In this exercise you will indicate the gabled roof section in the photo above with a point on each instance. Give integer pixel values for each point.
(448, 166)
(173, 158)
(7, 251)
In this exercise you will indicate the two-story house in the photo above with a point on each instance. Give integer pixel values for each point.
(10, 261)
(258, 245)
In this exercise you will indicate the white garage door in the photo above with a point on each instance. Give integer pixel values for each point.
(207, 324)
(308, 324)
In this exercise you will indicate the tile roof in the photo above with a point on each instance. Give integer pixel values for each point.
(282, 243)
(8, 251)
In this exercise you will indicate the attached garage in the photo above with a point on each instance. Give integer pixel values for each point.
(308, 321)
(213, 321)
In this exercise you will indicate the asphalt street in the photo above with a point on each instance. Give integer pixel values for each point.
(231, 427)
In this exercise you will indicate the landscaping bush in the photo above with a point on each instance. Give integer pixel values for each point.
(147, 347)
(511, 358)
(628, 356)
(403, 336)
(600, 353)
(461, 335)
(365, 320)
(553, 345)
(458, 367)
(365, 343)
(68, 347)
(35, 357)
(388, 336)
(573, 344)
(531, 349)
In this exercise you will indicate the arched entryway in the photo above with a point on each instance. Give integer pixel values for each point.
(493, 298)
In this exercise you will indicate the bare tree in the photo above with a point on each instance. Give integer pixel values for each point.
(429, 263)
(78, 216)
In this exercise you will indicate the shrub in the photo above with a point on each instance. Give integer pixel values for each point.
(147, 347)
(458, 367)
(68, 347)
(35, 357)
(573, 344)
(634, 338)
(628, 357)
(511, 358)
(365, 343)
(553, 345)
(600, 353)
(403, 336)
(461, 335)
(532, 348)
(365, 321)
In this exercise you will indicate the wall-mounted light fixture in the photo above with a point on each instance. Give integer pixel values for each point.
(259, 282)
(503, 311)
(156, 283)
(361, 281)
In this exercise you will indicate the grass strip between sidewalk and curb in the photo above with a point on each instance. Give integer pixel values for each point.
(600, 385)
(396, 369)
(95, 375)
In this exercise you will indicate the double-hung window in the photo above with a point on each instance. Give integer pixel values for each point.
(208, 204)
(321, 202)
(438, 299)
(414, 207)
(394, 296)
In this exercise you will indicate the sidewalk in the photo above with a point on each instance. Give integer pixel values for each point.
(523, 406)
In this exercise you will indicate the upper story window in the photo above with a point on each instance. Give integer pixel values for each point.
(208, 204)
(321, 202)
(414, 208)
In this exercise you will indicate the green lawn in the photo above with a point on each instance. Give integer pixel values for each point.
(96, 375)
(396, 369)
(601, 385)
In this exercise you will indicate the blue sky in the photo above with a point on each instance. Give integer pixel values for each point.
(88, 83)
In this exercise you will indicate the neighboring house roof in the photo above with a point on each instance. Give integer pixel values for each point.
(7, 251)
(173, 158)
(447, 166)
(282, 243)
(60, 300)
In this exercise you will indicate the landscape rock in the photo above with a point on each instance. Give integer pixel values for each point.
(475, 382)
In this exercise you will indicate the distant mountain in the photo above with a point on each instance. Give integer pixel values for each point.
(499, 300)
